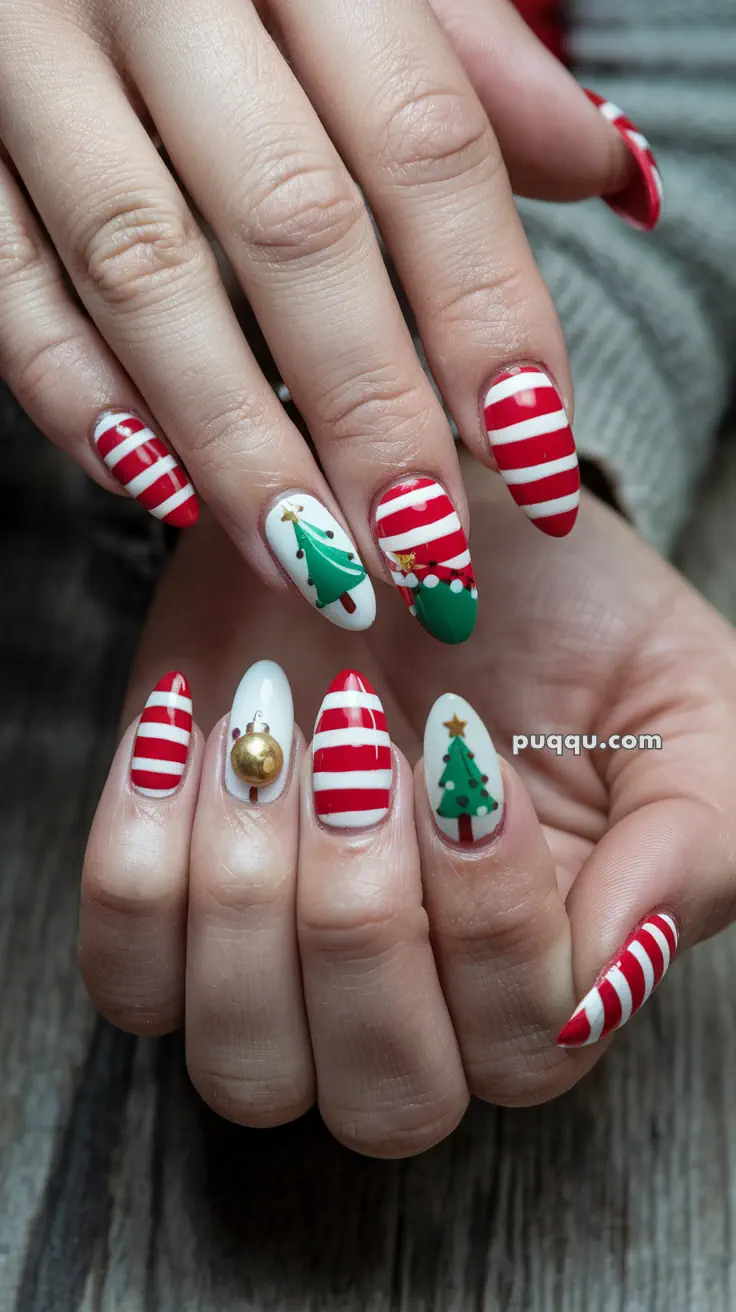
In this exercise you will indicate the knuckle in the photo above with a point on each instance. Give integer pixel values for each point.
(39, 371)
(226, 890)
(306, 212)
(503, 300)
(380, 405)
(359, 928)
(435, 136)
(133, 253)
(514, 935)
(259, 1102)
(236, 427)
(20, 252)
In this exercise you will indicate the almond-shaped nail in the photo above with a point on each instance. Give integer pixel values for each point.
(625, 985)
(320, 559)
(163, 738)
(140, 462)
(260, 735)
(424, 544)
(531, 439)
(640, 201)
(462, 771)
(352, 762)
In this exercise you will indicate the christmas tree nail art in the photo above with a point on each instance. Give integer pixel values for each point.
(462, 771)
(423, 541)
(322, 561)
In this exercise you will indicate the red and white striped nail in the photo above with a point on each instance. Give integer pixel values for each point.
(424, 544)
(640, 201)
(162, 739)
(625, 985)
(352, 763)
(532, 441)
(141, 463)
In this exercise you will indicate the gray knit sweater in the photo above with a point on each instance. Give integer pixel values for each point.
(650, 318)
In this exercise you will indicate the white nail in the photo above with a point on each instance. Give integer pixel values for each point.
(458, 752)
(322, 561)
(263, 692)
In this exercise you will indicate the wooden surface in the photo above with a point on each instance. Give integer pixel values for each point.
(120, 1192)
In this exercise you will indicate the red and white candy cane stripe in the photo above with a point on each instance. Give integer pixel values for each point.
(640, 201)
(138, 459)
(626, 984)
(418, 529)
(352, 765)
(162, 740)
(532, 442)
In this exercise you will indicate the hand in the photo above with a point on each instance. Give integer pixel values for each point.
(268, 150)
(430, 970)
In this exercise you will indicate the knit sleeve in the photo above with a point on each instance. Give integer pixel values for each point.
(650, 318)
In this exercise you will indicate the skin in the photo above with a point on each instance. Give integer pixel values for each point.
(406, 104)
(390, 975)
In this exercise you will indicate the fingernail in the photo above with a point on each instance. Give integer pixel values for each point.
(162, 740)
(625, 985)
(532, 441)
(462, 771)
(640, 201)
(352, 764)
(140, 462)
(320, 559)
(425, 547)
(260, 735)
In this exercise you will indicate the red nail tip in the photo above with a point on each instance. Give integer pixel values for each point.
(534, 447)
(352, 764)
(424, 545)
(163, 738)
(640, 201)
(575, 1034)
(621, 990)
(141, 463)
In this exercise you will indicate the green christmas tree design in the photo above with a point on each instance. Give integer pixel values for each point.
(465, 793)
(332, 572)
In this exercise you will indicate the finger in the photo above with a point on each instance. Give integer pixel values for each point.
(298, 234)
(661, 878)
(248, 1049)
(132, 933)
(410, 125)
(389, 1077)
(499, 929)
(554, 147)
(151, 284)
(63, 373)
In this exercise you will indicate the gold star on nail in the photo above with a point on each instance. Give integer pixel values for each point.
(405, 559)
(455, 727)
(291, 516)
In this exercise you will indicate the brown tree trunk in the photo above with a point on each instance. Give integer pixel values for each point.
(348, 602)
(465, 829)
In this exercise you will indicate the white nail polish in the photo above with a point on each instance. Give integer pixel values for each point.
(263, 698)
(322, 561)
(462, 771)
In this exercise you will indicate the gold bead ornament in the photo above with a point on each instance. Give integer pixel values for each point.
(256, 757)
